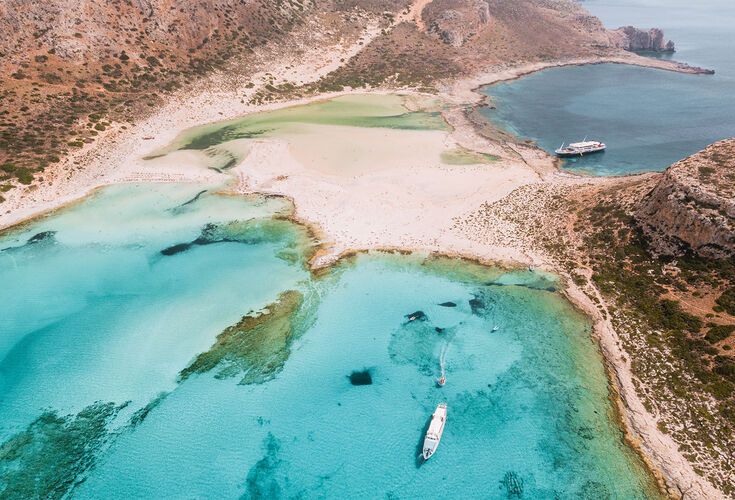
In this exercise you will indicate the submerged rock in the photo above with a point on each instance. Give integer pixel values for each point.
(174, 249)
(51, 456)
(183, 207)
(513, 485)
(250, 232)
(41, 237)
(477, 305)
(257, 346)
(362, 377)
(265, 477)
(140, 415)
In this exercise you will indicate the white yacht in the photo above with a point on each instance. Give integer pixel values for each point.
(581, 148)
(436, 428)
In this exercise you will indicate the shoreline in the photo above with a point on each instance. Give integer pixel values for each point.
(607, 346)
(126, 147)
(657, 450)
(472, 85)
(140, 139)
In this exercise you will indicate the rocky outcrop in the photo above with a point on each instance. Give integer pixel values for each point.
(633, 39)
(456, 21)
(692, 208)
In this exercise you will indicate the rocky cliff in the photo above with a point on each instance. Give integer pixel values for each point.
(693, 205)
(523, 28)
(632, 38)
(455, 22)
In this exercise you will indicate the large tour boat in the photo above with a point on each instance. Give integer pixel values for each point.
(436, 428)
(580, 148)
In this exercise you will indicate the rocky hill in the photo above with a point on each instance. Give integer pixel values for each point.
(71, 69)
(693, 205)
(635, 39)
(502, 31)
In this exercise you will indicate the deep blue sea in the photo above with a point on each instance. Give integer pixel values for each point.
(648, 118)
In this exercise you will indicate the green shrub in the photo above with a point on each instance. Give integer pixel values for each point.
(727, 301)
(719, 332)
(24, 175)
(672, 317)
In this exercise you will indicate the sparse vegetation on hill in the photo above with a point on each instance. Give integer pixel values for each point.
(669, 312)
(460, 37)
(74, 69)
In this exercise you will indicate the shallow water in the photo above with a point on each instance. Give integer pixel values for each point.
(100, 325)
(648, 118)
(346, 135)
(95, 312)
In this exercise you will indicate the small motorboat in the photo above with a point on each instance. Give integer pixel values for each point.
(416, 316)
(441, 381)
(496, 328)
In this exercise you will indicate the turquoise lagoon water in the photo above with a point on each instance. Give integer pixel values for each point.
(648, 118)
(98, 323)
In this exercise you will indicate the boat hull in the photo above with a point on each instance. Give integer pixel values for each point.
(435, 431)
(574, 154)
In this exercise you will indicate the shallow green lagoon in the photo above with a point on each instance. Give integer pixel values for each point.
(362, 111)
(112, 311)
(350, 135)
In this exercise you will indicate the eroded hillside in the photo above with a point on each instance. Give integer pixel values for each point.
(692, 208)
(72, 69)
(659, 250)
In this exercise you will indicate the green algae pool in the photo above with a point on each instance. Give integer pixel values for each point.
(349, 134)
(168, 342)
(368, 110)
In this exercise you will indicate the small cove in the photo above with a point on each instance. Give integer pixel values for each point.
(103, 323)
(648, 118)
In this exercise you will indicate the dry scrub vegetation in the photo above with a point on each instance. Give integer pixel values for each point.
(71, 70)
